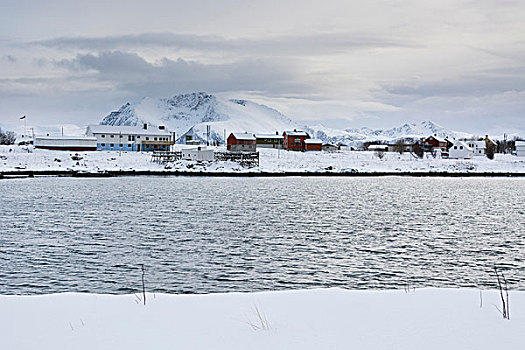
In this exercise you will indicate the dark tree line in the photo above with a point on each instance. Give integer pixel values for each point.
(7, 137)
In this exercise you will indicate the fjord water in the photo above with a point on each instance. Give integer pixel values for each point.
(203, 235)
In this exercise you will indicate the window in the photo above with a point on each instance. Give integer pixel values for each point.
(111, 145)
(138, 136)
(103, 144)
(155, 139)
(112, 136)
(455, 147)
(102, 135)
(460, 147)
(120, 136)
(129, 145)
(120, 145)
(147, 138)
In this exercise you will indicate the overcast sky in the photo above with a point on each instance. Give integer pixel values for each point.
(363, 63)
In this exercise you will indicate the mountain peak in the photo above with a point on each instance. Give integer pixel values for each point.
(190, 113)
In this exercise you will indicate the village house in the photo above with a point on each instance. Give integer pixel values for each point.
(433, 142)
(66, 143)
(294, 140)
(313, 145)
(460, 150)
(520, 148)
(131, 138)
(269, 140)
(478, 147)
(241, 142)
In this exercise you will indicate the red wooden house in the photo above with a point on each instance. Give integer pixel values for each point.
(241, 142)
(434, 142)
(294, 140)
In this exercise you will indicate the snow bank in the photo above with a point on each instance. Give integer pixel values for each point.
(308, 319)
(14, 158)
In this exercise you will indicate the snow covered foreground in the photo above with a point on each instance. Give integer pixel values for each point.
(13, 158)
(308, 319)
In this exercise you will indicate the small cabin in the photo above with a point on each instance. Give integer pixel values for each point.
(241, 142)
(313, 145)
(198, 154)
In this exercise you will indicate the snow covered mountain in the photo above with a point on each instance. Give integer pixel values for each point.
(406, 131)
(189, 114)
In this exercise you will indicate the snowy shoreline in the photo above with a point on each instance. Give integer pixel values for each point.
(333, 318)
(19, 161)
(120, 173)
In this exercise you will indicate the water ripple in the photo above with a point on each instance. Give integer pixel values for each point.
(202, 235)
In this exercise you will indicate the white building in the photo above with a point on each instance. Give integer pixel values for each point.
(328, 147)
(478, 147)
(66, 143)
(131, 138)
(460, 150)
(198, 154)
(520, 148)
(383, 148)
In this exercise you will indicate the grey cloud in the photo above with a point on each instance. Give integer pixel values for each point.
(485, 83)
(316, 44)
(131, 72)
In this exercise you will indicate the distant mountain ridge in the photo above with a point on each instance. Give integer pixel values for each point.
(189, 114)
(414, 131)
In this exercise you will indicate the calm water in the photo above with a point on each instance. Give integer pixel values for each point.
(200, 235)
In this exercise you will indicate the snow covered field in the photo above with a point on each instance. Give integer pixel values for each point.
(307, 319)
(14, 158)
